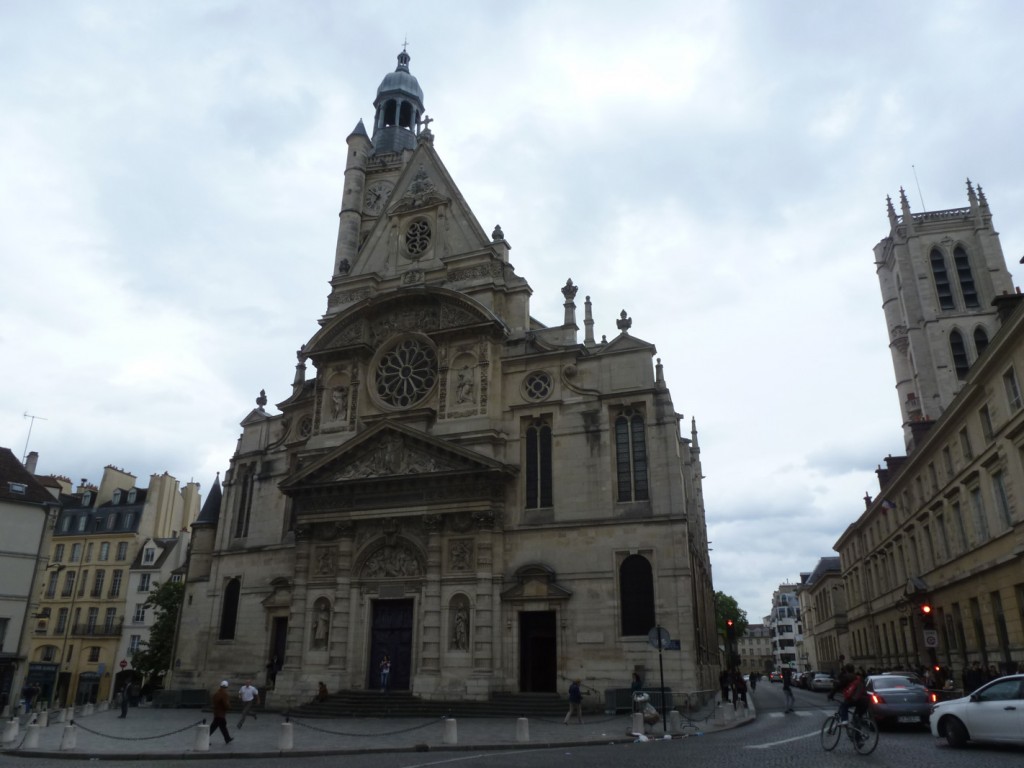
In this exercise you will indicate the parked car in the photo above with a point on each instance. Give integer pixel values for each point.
(993, 713)
(822, 681)
(804, 680)
(898, 698)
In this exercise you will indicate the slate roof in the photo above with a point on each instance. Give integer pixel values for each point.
(13, 476)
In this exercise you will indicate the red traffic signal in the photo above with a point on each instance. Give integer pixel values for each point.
(728, 622)
(926, 609)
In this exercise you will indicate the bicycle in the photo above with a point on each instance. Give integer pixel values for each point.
(861, 730)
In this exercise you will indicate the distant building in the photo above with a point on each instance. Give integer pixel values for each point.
(496, 504)
(83, 591)
(755, 649)
(946, 530)
(784, 625)
(823, 610)
(26, 507)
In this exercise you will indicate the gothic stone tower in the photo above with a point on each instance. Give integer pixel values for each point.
(491, 502)
(939, 272)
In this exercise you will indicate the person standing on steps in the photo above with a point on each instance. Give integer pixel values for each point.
(250, 697)
(385, 672)
(575, 703)
(787, 688)
(221, 703)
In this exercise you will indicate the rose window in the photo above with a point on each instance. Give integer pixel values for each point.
(406, 373)
(537, 386)
(417, 237)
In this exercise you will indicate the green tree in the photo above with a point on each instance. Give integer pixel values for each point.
(726, 607)
(153, 658)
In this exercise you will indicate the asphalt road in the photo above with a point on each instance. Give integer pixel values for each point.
(775, 739)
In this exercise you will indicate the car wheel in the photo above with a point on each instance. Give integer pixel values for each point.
(956, 732)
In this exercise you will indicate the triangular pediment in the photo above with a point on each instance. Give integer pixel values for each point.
(425, 220)
(535, 582)
(392, 452)
(625, 343)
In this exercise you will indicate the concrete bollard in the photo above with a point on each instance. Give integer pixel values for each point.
(10, 731)
(286, 740)
(32, 736)
(638, 722)
(88, 709)
(675, 722)
(451, 731)
(6, 712)
(103, 706)
(62, 716)
(44, 718)
(202, 738)
(522, 729)
(68, 738)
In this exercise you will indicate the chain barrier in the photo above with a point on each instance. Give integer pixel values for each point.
(301, 724)
(138, 738)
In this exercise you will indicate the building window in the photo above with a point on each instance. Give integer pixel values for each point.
(88, 552)
(986, 423)
(115, 583)
(104, 551)
(112, 521)
(76, 553)
(175, 578)
(1012, 390)
(148, 555)
(92, 617)
(959, 352)
(82, 579)
(122, 550)
(69, 584)
(144, 579)
(631, 456)
(133, 644)
(943, 289)
(82, 522)
(139, 616)
(51, 587)
(965, 445)
(58, 553)
(65, 524)
(110, 621)
(244, 503)
(94, 654)
(636, 595)
(129, 519)
(947, 461)
(980, 517)
(538, 473)
(229, 611)
(964, 276)
(48, 653)
(97, 585)
(62, 621)
(980, 340)
(1002, 502)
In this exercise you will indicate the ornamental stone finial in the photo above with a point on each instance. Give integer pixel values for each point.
(569, 290)
(262, 399)
(624, 323)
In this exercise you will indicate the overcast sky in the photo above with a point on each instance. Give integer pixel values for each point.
(171, 173)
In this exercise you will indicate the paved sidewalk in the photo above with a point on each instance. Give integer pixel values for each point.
(162, 733)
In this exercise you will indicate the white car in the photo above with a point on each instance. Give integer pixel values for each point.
(993, 713)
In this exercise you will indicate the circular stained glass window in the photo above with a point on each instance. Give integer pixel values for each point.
(537, 386)
(305, 426)
(417, 237)
(406, 373)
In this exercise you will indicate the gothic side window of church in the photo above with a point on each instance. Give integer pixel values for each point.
(966, 279)
(959, 351)
(229, 610)
(980, 340)
(943, 289)
(538, 464)
(631, 456)
(244, 503)
(636, 595)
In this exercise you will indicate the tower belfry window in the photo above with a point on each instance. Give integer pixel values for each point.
(963, 274)
(980, 340)
(959, 352)
(942, 287)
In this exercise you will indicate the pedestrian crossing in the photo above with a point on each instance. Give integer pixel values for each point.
(799, 713)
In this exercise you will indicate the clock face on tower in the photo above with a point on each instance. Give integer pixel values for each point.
(376, 195)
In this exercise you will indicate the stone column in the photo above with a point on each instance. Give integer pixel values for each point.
(431, 610)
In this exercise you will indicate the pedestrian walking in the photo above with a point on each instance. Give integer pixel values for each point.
(723, 684)
(220, 704)
(250, 697)
(787, 688)
(575, 703)
(124, 698)
(739, 689)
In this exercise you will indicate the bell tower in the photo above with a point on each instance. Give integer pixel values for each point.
(939, 272)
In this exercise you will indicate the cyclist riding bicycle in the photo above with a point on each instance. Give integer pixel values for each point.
(854, 694)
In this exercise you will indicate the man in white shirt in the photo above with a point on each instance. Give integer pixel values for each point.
(250, 697)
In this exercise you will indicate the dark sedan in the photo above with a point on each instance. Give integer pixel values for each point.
(898, 699)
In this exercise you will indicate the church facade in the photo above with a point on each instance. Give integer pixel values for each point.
(492, 503)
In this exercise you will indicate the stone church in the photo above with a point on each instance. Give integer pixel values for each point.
(492, 503)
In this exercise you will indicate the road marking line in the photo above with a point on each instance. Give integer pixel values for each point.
(778, 743)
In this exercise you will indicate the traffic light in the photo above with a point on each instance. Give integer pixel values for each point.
(730, 629)
(927, 616)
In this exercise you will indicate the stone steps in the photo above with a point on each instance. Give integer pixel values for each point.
(404, 704)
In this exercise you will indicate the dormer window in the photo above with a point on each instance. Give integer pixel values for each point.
(87, 499)
(148, 555)
(131, 496)
(17, 488)
(117, 496)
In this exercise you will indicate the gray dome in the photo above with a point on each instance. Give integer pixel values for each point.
(401, 80)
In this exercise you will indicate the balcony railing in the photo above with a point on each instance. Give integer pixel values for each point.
(104, 629)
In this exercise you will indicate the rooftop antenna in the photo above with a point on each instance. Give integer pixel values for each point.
(30, 425)
(923, 206)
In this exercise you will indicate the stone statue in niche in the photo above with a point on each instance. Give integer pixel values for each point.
(465, 386)
(325, 561)
(339, 403)
(321, 623)
(460, 628)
